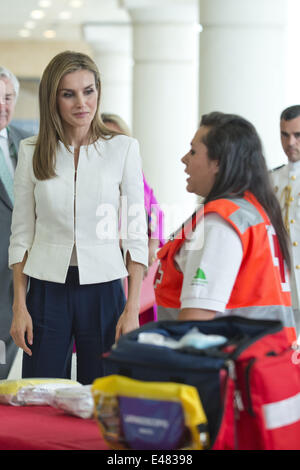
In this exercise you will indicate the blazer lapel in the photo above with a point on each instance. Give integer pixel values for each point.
(5, 199)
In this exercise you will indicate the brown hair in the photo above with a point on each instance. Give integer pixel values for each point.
(51, 128)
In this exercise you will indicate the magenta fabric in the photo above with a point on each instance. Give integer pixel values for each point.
(148, 315)
(153, 211)
(155, 230)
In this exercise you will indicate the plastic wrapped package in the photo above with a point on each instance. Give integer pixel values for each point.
(75, 401)
(192, 339)
(32, 391)
(132, 414)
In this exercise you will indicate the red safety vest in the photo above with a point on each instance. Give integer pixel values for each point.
(261, 289)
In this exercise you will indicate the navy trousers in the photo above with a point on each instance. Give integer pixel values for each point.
(62, 313)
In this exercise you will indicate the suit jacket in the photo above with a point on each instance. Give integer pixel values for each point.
(6, 287)
(286, 182)
(46, 223)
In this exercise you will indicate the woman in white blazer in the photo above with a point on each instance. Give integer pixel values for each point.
(69, 183)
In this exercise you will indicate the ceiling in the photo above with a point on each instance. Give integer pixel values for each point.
(64, 17)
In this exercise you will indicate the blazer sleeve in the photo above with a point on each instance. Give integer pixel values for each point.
(133, 215)
(23, 217)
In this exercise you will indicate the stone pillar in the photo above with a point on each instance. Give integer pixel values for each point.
(242, 64)
(165, 98)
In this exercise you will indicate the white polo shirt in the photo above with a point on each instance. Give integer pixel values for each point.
(210, 262)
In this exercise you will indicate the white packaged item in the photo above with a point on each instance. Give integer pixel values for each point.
(75, 401)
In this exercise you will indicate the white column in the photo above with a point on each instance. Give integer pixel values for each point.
(242, 64)
(112, 51)
(292, 65)
(165, 98)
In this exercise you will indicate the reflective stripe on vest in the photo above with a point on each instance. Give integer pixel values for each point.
(282, 413)
(246, 215)
(267, 312)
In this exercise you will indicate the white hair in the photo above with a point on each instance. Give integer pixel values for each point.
(8, 74)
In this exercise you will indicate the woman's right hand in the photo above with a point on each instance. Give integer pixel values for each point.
(21, 326)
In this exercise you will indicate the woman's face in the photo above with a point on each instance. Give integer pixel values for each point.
(201, 170)
(77, 99)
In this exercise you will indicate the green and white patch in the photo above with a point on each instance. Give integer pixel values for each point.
(199, 278)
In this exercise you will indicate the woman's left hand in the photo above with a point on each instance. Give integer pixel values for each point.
(128, 321)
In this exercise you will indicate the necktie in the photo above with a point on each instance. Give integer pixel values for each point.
(13, 152)
(6, 177)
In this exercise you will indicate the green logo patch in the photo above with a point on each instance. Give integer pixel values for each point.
(199, 277)
(199, 274)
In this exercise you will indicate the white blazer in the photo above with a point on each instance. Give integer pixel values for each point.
(47, 219)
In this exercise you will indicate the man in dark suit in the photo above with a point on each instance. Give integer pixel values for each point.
(10, 137)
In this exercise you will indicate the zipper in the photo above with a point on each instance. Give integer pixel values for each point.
(137, 363)
(238, 402)
(247, 381)
(237, 399)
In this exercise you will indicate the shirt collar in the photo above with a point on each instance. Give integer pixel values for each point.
(294, 167)
(3, 133)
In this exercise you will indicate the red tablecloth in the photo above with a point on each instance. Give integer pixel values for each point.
(46, 428)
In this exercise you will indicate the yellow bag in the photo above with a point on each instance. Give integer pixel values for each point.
(132, 414)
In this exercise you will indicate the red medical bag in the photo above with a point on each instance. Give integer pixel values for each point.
(249, 387)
